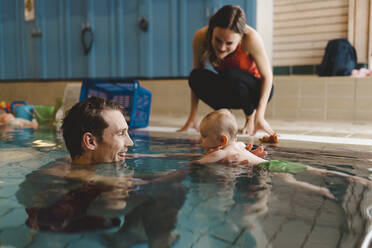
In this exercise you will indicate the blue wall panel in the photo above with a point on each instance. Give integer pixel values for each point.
(174, 38)
(77, 17)
(193, 16)
(33, 36)
(53, 58)
(120, 48)
(65, 34)
(11, 42)
(101, 48)
(2, 37)
(112, 40)
(63, 71)
(119, 40)
(145, 44)
(161, 29)
(164, 39)
(131, 41)
(250, 9)
(90, 21)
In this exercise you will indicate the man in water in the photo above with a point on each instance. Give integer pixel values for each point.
(95, 131)
(75, 196)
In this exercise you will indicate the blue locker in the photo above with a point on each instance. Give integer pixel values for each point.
(193, 15)
(76, 16)
(132, 38)
(51, 51)
(2, 37)
(34, 47)
(163, 40)
(11, 43)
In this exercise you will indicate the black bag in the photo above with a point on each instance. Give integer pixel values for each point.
(339, 59)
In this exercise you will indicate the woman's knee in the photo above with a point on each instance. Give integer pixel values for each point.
(238, 75)
(194, 77)
(201, 76)
(231, 72)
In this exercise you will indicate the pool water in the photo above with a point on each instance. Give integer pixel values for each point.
(167, 201)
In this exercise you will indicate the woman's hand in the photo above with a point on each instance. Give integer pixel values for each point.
(262, 124)
(254, 123)
(188, 125)
(249, 125)
(192, 119)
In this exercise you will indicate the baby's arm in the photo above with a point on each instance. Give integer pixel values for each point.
(248, 157)
(357, 179)
(259, 151)
(160, 155)
(290, 179)
(212, 157)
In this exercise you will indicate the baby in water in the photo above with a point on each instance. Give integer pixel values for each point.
(7, 119)
(218, 137)
(218, 131)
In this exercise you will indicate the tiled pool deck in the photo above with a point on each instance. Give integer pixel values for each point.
(331, 135)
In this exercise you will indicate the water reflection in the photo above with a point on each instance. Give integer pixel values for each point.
(114, 205)
(65, 198)
(28, 137)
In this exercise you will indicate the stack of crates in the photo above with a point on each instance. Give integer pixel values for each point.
(128, 93)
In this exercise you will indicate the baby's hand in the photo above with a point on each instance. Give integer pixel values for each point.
(213, 149)
(231, 159)
(259, 152)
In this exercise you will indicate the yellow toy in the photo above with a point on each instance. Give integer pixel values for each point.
(5, 106)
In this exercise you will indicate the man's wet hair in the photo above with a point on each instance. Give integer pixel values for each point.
(83, 117)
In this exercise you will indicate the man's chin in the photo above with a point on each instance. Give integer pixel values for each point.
(120, 156)
(121, 163)
(120, 159)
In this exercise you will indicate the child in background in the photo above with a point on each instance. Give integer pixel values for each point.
(218, 131)
(7, 119)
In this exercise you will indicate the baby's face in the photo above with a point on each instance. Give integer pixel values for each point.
(209, 139)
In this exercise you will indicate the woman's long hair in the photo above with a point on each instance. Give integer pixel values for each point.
(228, 17)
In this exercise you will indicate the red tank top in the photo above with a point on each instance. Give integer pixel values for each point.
(239, 59)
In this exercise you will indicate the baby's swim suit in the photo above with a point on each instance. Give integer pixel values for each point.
(282, 166)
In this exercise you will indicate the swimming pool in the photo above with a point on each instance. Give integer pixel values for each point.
(46, 203)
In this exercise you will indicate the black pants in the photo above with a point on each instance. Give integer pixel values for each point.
(233, 88)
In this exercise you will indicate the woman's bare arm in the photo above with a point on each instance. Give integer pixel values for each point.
(198, 46)
(253, 45)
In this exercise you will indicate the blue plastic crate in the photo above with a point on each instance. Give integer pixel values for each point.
(135, 99)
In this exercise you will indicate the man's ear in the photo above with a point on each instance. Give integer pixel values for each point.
(224, 140)
(89, 141)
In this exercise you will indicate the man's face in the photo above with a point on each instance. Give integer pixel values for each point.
(115, 138)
